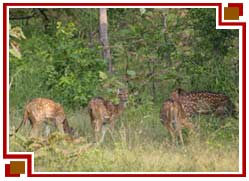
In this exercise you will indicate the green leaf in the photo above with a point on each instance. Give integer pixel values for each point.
(142, 11)
(125, 31)
(131, 73)
(103, 75)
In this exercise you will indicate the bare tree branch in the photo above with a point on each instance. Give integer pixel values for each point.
(21, 17)
(42, 11)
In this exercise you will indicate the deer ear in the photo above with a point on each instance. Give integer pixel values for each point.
(118, 91)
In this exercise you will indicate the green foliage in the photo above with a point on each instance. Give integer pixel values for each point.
(109, 84)
(63, 67)
(72, 76)
(153, 52)
(206, 63)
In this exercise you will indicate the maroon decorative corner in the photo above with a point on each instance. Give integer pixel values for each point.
(237, 5)
(14, 169)
(233, 11)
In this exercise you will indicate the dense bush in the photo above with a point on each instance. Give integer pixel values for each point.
(61, 67)
(73, 75)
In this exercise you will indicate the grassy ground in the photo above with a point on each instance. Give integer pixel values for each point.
(140, 144)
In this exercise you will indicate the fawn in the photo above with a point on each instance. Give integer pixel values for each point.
(39, 110)
(103, 112)
(174, 119)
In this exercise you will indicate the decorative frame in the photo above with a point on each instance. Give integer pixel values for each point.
(15, 168)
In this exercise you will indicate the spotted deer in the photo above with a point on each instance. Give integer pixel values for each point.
(41, 110)
(103, 112)
(203, 102)
(174, 119)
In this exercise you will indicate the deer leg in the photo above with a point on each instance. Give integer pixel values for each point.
(47, 130)
(111, 133)
(59, 125)
(99, 136)
(180, 136)
(178, 129)
(35, 131)
(171, 131)
(112, 125)
(97, 127)
(103, 132)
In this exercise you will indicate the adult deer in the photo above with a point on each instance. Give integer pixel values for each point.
(174, 119)
(203, 102)
(40, 110)
(103, 112)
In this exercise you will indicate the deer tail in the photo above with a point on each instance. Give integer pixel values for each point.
(25, 119)
(90, 111)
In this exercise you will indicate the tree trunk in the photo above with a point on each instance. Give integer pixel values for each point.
(103, 25)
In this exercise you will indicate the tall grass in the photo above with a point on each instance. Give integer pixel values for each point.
(139, 144)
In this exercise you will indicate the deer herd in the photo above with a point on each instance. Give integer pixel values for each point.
(175, 112)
